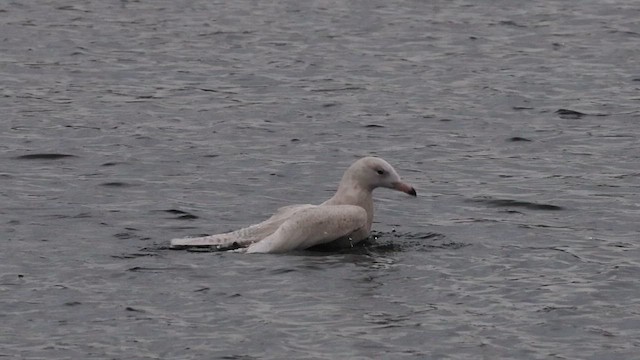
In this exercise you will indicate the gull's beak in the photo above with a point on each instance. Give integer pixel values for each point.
(405, 188)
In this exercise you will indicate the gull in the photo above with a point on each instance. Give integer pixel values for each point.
(342, 221)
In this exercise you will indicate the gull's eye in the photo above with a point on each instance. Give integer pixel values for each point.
(380, 172)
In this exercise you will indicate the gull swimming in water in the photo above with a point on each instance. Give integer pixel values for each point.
(341, 221)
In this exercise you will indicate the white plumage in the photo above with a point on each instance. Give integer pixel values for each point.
(343, 220)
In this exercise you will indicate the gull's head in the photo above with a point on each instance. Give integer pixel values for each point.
(374, 172)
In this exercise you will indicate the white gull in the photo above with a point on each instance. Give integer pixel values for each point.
(343, 220)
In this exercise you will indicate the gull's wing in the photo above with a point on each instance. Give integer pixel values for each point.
(245, 236)
(313, 226)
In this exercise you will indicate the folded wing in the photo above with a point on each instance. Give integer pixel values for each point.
(245, 236)
(313, 226)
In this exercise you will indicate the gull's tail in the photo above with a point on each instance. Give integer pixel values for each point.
(243, 237)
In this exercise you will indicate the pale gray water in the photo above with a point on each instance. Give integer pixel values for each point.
(516, 121)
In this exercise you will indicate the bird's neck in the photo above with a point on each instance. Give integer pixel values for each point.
(349, 193)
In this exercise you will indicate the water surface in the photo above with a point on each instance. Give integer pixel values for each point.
(126, 124)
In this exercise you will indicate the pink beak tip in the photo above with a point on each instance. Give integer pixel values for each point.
(406, 188)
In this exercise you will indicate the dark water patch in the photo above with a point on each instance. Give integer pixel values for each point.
(373, 126)
(348, 88)
(570, 114)
(625, 32)
(180, 215)
(82, 215)
(281, 271)
(565, 251)
(219, 91)
(511, 23)
(548, 309)
(573, 114)
(518, 138)
(406, 242)
(522, 108)
(149, 269)
(622, 245)
(133, 255)
(72, 303)
(509, 211)
(71, 8)
(82, 127)
(11, 279)
(129, 308)
(211, 156)
(239, 357)
(44, 156)
(116, 184)
(124, 235)
(111, 163)
(253, 127)
(618, 136)
(516, 203)
(475, 220)
(540, 226)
